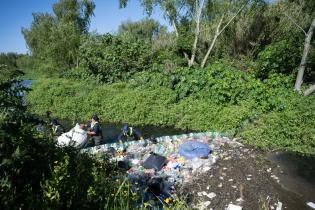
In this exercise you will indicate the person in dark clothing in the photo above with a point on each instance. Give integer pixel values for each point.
(57, 128)
(95, 131)
(129, 134)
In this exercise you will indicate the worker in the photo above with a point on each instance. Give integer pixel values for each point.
(95, 132)
(129, 134)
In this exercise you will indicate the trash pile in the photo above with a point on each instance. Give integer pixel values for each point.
(162, 164)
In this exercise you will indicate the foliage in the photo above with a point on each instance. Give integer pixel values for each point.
(11, 93)
(14, 61)
(223, 83)
(113, 58)
(35, 174)
(152, 98)
(291, 129)
(280, 57)
(55, 39)
(145, 29)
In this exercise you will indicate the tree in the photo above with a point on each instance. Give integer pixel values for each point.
(145, 29)
(56, 38)
(307, 46)
(218, 31)
(199, 13)
(112, 58)
(307, 9)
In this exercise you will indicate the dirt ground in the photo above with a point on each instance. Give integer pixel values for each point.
(241, 176)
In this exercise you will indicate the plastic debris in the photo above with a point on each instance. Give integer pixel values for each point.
(203, 205)
(240, 200)
(311, 204)
(234, 207)
(194, 149)
(279, 206)
(211, 195)
(162, 178)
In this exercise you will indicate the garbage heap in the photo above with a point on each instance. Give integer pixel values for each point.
(156, 167)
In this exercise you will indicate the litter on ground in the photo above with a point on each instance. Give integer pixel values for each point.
(170, 160)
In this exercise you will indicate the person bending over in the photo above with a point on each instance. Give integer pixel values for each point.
(129, 134)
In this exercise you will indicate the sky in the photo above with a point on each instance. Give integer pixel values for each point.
(15, 14)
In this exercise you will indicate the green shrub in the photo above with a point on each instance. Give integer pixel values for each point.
(291, 129)
(120, 103)
(113, 58)
(280, 57)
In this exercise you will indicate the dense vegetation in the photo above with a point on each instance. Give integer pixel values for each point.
(227, 66)
(35, 174)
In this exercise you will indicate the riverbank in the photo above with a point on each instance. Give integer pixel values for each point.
(245, 177)
(121, 102)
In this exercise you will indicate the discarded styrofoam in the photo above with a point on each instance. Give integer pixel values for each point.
(240, 200)
(311, 204)
(211, 195)
(204, 205)
(279, 206)
(234, 207)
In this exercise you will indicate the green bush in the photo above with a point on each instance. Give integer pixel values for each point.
(121, 103)
(291, 129)
(113, 58)
(223, 84)
(280, 57)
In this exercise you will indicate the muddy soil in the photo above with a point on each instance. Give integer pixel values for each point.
(244, 177)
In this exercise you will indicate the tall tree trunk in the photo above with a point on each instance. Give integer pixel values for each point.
(212, 43)
(197, 32)
(307, 46)
(175, 28)
(310, 90)
(217, 34)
